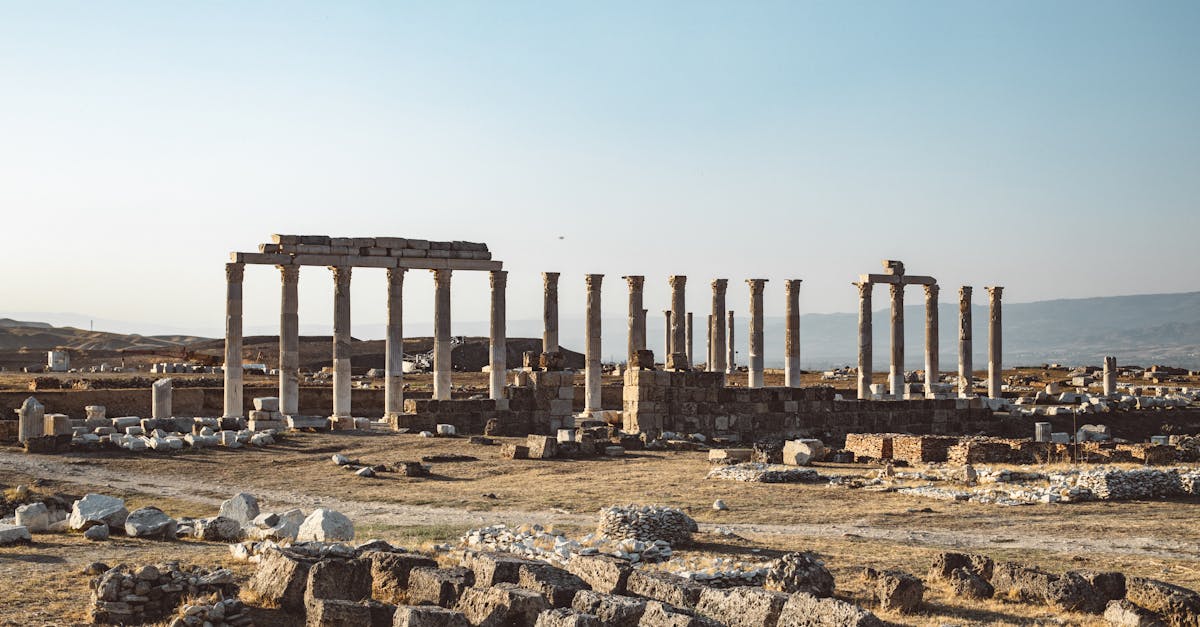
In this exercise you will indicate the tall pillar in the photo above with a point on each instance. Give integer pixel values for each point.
(896, 370)
(393, 360)
(233, 340)
(865, 340)
(1110, 376)
(994, 332)
(499, 339)
(549, 311)
(690, 349)
(289, 342)
(667, 338)
(755, 378)
(719, 363)
(678, 312)
(965, 355)
(637, 324)
(341, 345)
(791, 342)
(711, 346)
(31, 420)
(591, 390)
(730, 348)
(441, 332)
(931, 338)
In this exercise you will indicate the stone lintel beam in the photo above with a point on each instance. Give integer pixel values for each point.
(365, 261)
(906, 279)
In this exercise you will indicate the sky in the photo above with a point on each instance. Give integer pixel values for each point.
(1049, 147)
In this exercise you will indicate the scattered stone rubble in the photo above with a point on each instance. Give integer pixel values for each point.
(1090, 484)
(647, 523)
(765, 473)
(123, 595)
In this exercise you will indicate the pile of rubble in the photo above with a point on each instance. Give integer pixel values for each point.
(536, 542)
(646, 523)
(764, 473)
(122, 595)
(568, 444)
(1020, 487)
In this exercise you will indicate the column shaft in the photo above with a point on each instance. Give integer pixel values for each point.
(691, 340)
(289, 342)
(995, 367)
(637, 326)
(679, 315)
(730, 348)
(667, 338)
(719, 361)
(1109, 381)
(965, 354)
(931, 338)
(592, 382)
(550, 312)
(710, 345)
(499, 340)
(393, 366)
(755, 378)
(442, 346)
(865, 340)
(233, 340)
(341, 343)
(896, 371)
(791, 348)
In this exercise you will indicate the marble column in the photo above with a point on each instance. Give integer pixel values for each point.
(710, 345)
(965, 355)
(637, 325)
(791, 342)
(499, 335)
(341, 346)
(719, 363)
(160, 395)
(931, 338)
(592, 371)
(233, 340)
(1110, 376)
(995, 367)
(865, 340)
(549, 312)
(393, 360)
(31, 420)
(690, 350)
(755, 378)
(896, 369)
(289, 342)
(730, 348)
(441, 333)
(678, 315)
(667, 337)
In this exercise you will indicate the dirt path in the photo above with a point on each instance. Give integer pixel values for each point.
(196, 489)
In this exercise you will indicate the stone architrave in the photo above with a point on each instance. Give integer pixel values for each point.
(441, 333)
(233, 340)
(161, 398)
(755, 377)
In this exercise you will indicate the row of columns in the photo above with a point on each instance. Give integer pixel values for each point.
(289, 340)
(965, 346)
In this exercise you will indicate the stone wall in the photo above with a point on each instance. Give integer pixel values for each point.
(543, 406)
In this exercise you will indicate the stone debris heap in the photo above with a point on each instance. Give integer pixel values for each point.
(123, 595)
(757, 472)
(647, 523)
(1093, 484)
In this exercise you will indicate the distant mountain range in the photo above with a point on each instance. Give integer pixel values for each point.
(1144, 329)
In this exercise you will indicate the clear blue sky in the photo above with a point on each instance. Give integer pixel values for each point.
(1051, 147)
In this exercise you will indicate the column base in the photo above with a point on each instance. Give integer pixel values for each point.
(341, 423)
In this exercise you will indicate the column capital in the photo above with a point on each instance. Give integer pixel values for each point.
(396, 275)
(341, 274)
(896, 289)
(864, 288)
(719, 285)
(289, 274)
(677, 280)
(498, 278)
(550, 279)
(441, 276)
(931, 290)
(791, 285)
(756, 285)
(234, 272)
(994, 291)
(593, 280)
(635, 281)
(964, 292)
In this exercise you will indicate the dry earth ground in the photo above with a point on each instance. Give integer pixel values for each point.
(849, 528)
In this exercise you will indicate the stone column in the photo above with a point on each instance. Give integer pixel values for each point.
(591, 398)
(637, 324)
(865, 340)
(499, 340)
(755, 379)
(549, 312)
(931, 338)
(896, 370)
(160, 396)
(965, 355)
(393, 360)
(289, 342)
(730, 348)
(995, 366)
(711, 346)
(1110, 376)
(667, 338)
(233, 340)
(441, 332)
(342, 414)
(691, 346)
(791, 343)
(31, 420)
(678, 315)
(719, 363)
